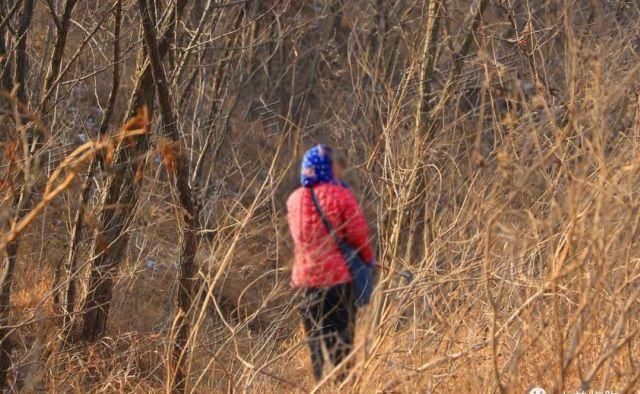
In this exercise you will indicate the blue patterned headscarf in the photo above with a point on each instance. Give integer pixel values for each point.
(317, 166)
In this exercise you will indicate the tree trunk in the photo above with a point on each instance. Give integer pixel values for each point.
(5, 297)
(21, 201)
(5, 73)
(62, 30)
(22, 63)
(71, 263)
(120, 198)
(178, 167)
(428, 59)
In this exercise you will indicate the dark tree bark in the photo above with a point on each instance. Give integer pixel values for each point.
(85, 193)
(458, 62)
(120, 198)
(61, 24)
(145, 89)
(22, 62)
(178, 167)
(5, 72)
(6, 280)
(62, 29)
(21, 202)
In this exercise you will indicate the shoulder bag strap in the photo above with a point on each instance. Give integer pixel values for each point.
(325, 221)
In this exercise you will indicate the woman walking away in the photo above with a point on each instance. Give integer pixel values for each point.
(323, 217)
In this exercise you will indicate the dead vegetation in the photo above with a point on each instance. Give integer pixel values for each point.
(147, 148)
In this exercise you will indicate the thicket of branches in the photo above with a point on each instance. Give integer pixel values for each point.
(147, 148)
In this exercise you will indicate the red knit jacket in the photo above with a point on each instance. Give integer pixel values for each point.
(318, 261)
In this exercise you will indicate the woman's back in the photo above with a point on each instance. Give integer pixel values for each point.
(318, 262)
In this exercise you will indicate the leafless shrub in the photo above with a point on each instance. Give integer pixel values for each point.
(494, 145)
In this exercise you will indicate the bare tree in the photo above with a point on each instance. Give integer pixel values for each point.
(494, 149)
(120, 197)
(22, 199)
(6, 15)
(62, 24)
(71, 267)
(178, 167)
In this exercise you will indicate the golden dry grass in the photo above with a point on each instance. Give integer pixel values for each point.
(518, 215)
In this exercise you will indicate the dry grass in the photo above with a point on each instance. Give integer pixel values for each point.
(514, 203)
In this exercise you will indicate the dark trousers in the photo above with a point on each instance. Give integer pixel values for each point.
(329, 318)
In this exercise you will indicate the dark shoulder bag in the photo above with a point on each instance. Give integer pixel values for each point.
(361, 272)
